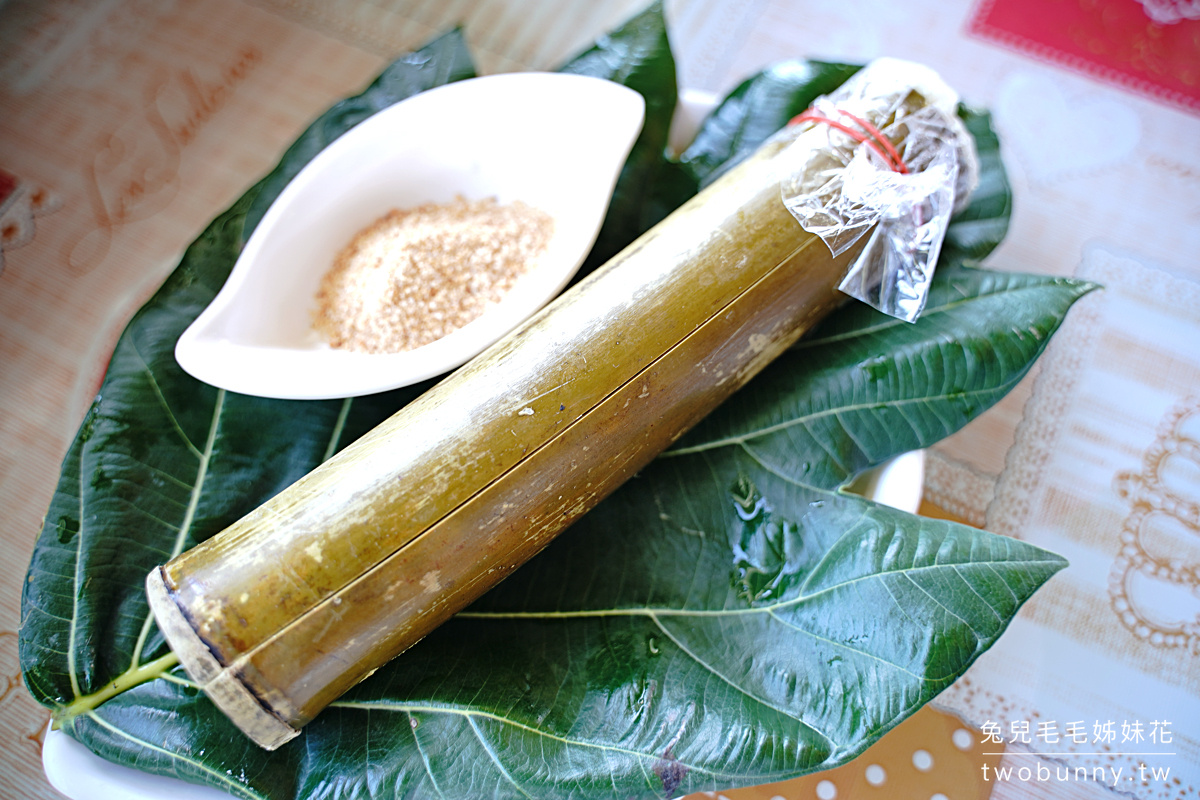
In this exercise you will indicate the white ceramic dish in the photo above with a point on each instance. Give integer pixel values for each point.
(554, 141)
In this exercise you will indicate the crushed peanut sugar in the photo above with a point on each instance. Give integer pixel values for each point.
(416, 275)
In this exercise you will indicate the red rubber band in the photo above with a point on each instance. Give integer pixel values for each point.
(897, 161)
(872, 138)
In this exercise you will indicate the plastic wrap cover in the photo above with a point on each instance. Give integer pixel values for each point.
(885, 155)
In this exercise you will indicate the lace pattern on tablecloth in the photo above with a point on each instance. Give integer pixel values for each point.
(1105, 470)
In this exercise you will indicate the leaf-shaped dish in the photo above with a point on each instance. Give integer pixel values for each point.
(554, 141)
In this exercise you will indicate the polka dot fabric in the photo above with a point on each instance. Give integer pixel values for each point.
(931, 756)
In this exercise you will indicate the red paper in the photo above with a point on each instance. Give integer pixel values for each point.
(1112, 40)
(8, 186)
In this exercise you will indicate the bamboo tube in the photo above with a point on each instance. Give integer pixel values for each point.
(292, 605)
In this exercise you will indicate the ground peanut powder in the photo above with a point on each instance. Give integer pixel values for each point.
(416, 275)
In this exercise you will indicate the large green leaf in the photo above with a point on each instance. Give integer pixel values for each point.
(638, 56)
(756, 109)
(977, 229)
(728, 617)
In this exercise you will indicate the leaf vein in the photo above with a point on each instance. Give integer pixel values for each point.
(77, 590)
(408, 708)
(413, 725)
(844, 646)
(974, 591)
(162, 400)
(779, 474)
(741, 690)
(942, 606)
(487, 748)
(805, 419)
(189, 515)
(336, 435)
(929, 312)
(999, 577)
(237, 788)
(723, 612)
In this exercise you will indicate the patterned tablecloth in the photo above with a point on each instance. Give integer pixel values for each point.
(125, 125)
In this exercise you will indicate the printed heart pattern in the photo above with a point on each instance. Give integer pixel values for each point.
(1056, 137)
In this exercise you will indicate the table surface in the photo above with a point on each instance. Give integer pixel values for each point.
(126, 125)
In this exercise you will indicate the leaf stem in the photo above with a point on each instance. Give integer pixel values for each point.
(125, 681)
